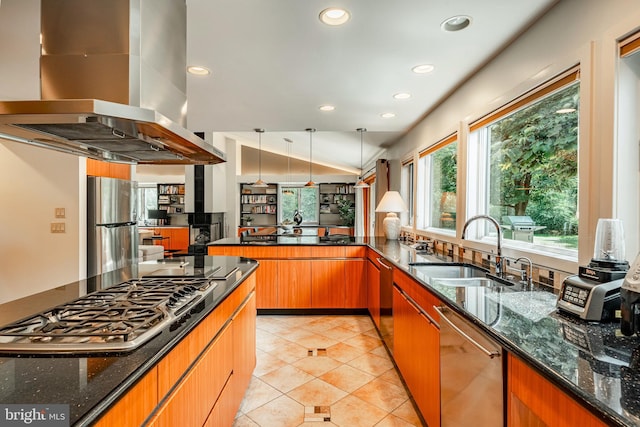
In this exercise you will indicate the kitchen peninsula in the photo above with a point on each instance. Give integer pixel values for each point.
(557, 370)
(207, 351)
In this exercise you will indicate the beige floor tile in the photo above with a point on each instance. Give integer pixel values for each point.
(266, 362)
(381, 351)
(354, 412)
(316, 365)
(294, 334)
(382, 394)
(289, 352)
(257, 395)
(322, 324)
(364, 341)
(244, 421)
(373, 333)
(267, 341)
(393, 421)
(316, 393)
(272, 324)
(281, 412)
(407, 412)
(316, 341)
(360, 324)
(393, 377)
(372, 364)
(286, 378)
(344, 352)
(347, 378)
(338, 333)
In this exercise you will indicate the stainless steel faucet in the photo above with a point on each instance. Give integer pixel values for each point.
(499, 243)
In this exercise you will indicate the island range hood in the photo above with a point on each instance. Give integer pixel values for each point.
(113, 84)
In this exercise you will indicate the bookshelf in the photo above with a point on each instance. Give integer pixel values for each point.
(261, 204)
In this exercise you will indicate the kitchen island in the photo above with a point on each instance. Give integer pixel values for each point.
(559, 370)
(153, 381)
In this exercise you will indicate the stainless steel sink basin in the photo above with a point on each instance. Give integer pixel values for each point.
(465, 282)
(448, 271)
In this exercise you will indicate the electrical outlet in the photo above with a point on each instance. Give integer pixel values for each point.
(60, 213)
(57, 227)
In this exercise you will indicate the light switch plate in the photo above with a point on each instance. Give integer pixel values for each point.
(57, 227)
(60, 213)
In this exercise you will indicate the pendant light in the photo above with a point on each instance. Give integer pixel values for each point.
(361, 183)
(260, 183)
(288, 190)
(311, 131)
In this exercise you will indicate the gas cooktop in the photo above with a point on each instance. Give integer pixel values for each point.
(117, 319)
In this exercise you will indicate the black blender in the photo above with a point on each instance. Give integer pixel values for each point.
(594, 293)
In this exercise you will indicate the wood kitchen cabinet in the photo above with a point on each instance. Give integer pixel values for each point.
(327, 283)
(533, 401)
(355, 276)
(416, 351)
(136, 405)
(202, 380)
(294, 283)
(306, 276)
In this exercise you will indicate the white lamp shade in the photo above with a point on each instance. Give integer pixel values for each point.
(391, 202)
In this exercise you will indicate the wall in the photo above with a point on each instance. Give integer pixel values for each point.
(33, 181)
(574, 31)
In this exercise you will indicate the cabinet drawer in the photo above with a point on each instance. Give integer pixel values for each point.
(355, 251)
(328, 252)
(258, 252)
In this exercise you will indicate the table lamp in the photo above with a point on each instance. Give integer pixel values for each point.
(391, 203)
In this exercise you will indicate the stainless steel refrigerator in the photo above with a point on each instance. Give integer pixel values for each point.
(112, 232)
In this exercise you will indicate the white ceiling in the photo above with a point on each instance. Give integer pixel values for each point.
(274, 63)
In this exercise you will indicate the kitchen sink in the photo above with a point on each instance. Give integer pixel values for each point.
(447, 271)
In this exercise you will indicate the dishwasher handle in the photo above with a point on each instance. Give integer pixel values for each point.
(383, 264)
(443, 316)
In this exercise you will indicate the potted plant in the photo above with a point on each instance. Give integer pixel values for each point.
(247, 220)
(347, 212)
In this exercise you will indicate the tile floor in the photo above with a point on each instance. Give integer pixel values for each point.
(323, 371)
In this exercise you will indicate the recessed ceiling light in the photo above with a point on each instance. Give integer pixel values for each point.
(334, 16)
(456, 23)
(198, 70)
(326, 108)
(423, 68)
(387, 115)
(402, 95)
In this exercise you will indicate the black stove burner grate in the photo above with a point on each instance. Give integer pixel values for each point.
(119, 314)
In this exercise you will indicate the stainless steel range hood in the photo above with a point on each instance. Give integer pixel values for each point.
(113, 84)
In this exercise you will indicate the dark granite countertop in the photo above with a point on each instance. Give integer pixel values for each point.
(588, 360)
(89, 385)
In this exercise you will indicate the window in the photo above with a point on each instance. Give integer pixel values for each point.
(147, 199)
(438, 170)
(406, 191)
(301, 199)
(523, 164)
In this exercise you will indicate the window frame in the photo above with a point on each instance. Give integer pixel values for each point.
(477, 168)
(281, 189)
(424, 198)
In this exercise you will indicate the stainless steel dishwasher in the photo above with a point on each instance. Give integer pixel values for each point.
(471, 374)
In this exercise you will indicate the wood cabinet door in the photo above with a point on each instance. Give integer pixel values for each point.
(533, 401)
(294, 283)
(244, 349)
(267, 284)
(355, 276)
(180, 238)
(327, 283)
(192, 400)
(416, 350)
(373, 292)
(135, 406)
